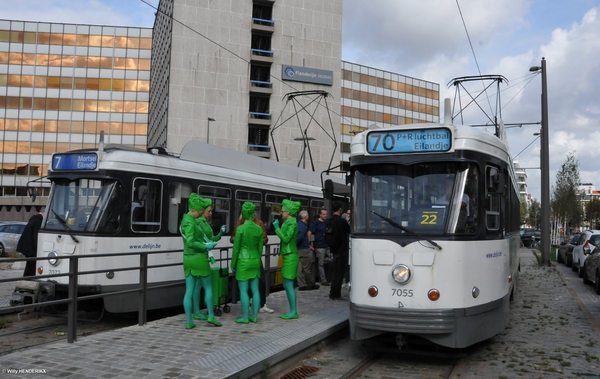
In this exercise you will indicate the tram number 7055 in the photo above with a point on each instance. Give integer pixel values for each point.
(402, 293)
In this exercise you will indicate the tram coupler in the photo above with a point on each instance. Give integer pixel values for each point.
(30, 292)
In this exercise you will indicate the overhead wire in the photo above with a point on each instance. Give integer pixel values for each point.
(473, 51)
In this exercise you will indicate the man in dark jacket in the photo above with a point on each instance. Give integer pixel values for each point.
(28, 242)
(340, 253)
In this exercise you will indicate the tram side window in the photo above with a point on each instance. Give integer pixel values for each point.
(492, 209)
(146, 205)
(241, 197)
(221, 199)
(179, 194)
(304, 206)
(315, 209)
(274, 206)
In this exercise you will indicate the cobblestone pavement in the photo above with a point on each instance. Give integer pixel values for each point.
(549, 336)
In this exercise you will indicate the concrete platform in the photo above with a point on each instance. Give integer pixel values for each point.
(164, 348)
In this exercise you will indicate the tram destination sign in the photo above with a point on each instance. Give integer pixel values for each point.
(409, 141)
(74, 162)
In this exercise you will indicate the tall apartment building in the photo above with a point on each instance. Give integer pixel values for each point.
(60, 86)
(378, 98)
(231, 72)
(521, 175)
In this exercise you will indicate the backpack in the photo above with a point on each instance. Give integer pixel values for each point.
(333, 237)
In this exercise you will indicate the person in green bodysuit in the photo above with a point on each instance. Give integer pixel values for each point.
(245, 262)
(196, 265)
(288, 234)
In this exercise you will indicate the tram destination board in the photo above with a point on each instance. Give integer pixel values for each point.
(74, 162)
(409, 141)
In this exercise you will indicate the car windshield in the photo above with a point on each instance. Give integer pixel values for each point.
(84, 205)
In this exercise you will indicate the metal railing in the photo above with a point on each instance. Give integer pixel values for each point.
(142, 286)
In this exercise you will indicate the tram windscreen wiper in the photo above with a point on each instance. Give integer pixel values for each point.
(396, 225)
(66, 226)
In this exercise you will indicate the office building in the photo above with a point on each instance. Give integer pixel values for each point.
(377, 98)
(236, 74)
(60, 86)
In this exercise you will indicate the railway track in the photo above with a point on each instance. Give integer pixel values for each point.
(349, 359)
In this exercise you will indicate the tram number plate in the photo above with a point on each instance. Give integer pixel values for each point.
(402, 293)
(51, 272)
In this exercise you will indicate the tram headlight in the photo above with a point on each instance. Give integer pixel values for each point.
(401, 274)
(54, 261)
(475, 292)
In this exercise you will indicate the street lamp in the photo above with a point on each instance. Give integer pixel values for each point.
(545, 165)
(208, 128)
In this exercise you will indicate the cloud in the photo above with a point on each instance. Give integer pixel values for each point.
(427, 40)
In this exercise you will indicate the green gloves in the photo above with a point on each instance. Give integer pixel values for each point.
(276, 224)
(223, 229)
(208, 244)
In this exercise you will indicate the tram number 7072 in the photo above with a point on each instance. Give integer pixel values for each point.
(402, 293)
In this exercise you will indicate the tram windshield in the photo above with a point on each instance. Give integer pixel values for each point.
(423, 199)
(84, 205)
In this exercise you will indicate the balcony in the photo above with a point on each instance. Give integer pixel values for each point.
(259, 55)
(259, 118)
(263, 25)
(261, 86)
(263, 151)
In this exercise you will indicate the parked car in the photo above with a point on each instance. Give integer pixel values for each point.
(591, 269)
(530, 237)
(586, 244)
(565, 251)
(10, 232)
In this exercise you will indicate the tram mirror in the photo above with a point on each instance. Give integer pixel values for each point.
(34, 193)
(328, 189)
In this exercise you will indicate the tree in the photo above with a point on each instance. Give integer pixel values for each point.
(524, 212)
(592, 211)
(566, 205)
(535, 214)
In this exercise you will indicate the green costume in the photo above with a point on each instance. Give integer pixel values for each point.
(247, 248)
(245, 262)
(196, 266)
(288, 234)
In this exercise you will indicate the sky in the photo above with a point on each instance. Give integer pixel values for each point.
(438, 40)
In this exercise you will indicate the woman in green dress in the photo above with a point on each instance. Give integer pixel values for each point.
(196, 265)
(245, 262)
(288, 234)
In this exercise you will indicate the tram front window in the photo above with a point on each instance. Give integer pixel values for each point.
(84, 205)
(425, 199)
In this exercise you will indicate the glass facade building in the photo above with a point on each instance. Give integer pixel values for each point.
(376, 97)
(60, 86)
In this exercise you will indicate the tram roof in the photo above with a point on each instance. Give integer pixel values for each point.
(218, 163)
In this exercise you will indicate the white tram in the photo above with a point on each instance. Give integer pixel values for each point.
(119, 200)
(435, 233)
